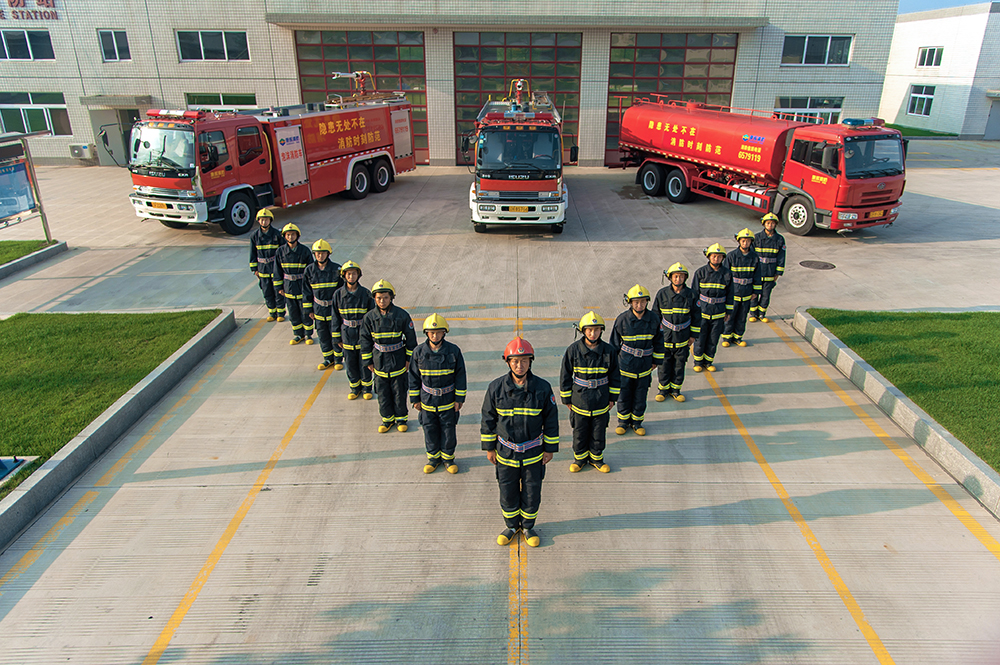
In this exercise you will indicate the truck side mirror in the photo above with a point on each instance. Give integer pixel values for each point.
(574, 154)
(830, 153)
(104, 138)
(465, 144)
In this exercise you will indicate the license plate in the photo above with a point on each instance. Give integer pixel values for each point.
(877, 213)
(157, 204)
(520, 209)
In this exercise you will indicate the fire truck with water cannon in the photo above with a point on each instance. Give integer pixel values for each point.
(842, 176)
(194, 166)
(519, 162)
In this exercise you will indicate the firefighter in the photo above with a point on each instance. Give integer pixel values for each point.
(713, 288)
(520, 433)
(264, 242)
(589, 383)
(680, 322)
(320, 281)
(290, 263)
(350, 304)
(437, 391)
(770, 246)
(745, 267)
(638, 339)
(387, 342)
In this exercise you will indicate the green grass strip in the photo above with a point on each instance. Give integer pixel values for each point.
(947, 363)
(915, 131)
(58, 372)
(11, 250)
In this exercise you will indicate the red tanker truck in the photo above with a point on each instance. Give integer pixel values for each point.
(842, 177)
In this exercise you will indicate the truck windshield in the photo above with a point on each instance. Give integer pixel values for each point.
(512, 150)
(162, 148)
(872, 157)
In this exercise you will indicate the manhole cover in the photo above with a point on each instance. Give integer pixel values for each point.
(817, 265)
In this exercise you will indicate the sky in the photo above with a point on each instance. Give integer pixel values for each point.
(907, 6)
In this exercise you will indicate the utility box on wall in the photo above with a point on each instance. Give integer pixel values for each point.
(82, 150)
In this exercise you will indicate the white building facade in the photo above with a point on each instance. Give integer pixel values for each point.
(944, 72)
(76, 67)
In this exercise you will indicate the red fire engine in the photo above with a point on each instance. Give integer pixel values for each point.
(841, 176)
(192, 166)
(519, 160)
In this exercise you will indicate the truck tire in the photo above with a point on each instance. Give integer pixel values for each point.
(478, 228)
(239, 215)
(651, 179)
(360, 183)
(798, 215)
(557, 228)
(171, 224)
(677, 189)
(381, 176)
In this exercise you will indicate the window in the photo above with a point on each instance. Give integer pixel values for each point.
(214, 101)
(810, 153)
(248, 144)
(26, 45)
(921, 97)
(209, 45)
(816, 50)
(34, 112)
(930, 57)
(212, 150)
(114, 45)
(818, 110)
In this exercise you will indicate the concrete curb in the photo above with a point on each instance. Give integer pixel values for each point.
(19, 508)
(45, 253)
(964, 466)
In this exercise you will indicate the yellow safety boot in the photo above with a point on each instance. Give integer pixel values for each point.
(431, 466)
(575, 467)
(741, 343)
(338, 366)
(764, 319)
(711, 368)
(382, 429)
(506, 536)
(531, 538)
(640, 430)
(295, 340)
(269, 319)
(401, 428)
(620, 430)
(752, 319)
(725, 344)
(451, 467)
(679, 398)
(699, 368)
(367, 396)
(309, 340)
(600, 465)
(280, 319)
(324, 365)
(660, 397)
(352, 395)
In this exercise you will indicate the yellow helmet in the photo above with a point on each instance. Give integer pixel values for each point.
(290, 227)
(591, 319)
(350, 265)
(745, 233)
(715, 249)
(321, 246)
(769, 217)
(635, 292)
(677, 267)
(436, 322)
(264, 212)
(383, 286)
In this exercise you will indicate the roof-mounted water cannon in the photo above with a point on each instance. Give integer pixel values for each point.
(521, 87)
(358, 77)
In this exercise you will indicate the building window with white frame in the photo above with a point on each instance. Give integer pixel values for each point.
(26, 45)
(930, 57)
(818, 110)
(212, 45)
(215, 101)
(114, 45)
(816, 50)
(34, 112)
(921, 98)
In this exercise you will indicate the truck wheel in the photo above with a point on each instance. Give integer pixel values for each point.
(479, 228)
(677, 189)
(798, 215)
(651, 179)
(360, 182)
(557, 228)
(239, 214)
(381, 176)
(171, 224)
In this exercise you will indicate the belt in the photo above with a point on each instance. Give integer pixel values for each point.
(388, 348)
(675, 326)
(712, 301)
(351, 323)
(767, 259)
(261, 259)
(743, 280)
(521, 447)
(437, 392)
(323, 303)
(590, 383)
(641, 353)
(293, 278)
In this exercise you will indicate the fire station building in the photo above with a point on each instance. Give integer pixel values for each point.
(77, 67)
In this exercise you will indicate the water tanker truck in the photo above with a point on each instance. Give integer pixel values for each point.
(842, 176)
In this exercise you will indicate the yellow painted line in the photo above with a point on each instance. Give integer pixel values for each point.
(824, 560)
(227, 536)
(110, 474)
(50, 536)
(517, 607)
(967, 520)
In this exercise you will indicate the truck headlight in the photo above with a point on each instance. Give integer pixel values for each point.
(847, 215)
(894, 210)
(548, 194)
(550, 208)
(487, 208)
(489, 194)
(185, 206)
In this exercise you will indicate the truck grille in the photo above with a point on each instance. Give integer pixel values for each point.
(519, 195)
(872, 198)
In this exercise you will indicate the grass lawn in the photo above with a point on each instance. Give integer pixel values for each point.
(913, 131)
(15, 249)
(58, 372)
(949, 364)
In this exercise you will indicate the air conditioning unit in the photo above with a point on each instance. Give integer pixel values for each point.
(82, 150)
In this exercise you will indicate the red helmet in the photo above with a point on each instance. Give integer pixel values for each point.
(518, 347)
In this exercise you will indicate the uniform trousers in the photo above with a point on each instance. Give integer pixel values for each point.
(706, 342)
(392, 393)
(671, 372)
(358, 374)
(296, 316)
(632, 400)
(325, 337)
(275, 304)
(590, 435)
(759, 302)
(439, 434)
(520, 493)
(736, 326)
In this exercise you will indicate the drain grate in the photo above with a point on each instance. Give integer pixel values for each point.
(817, 265)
